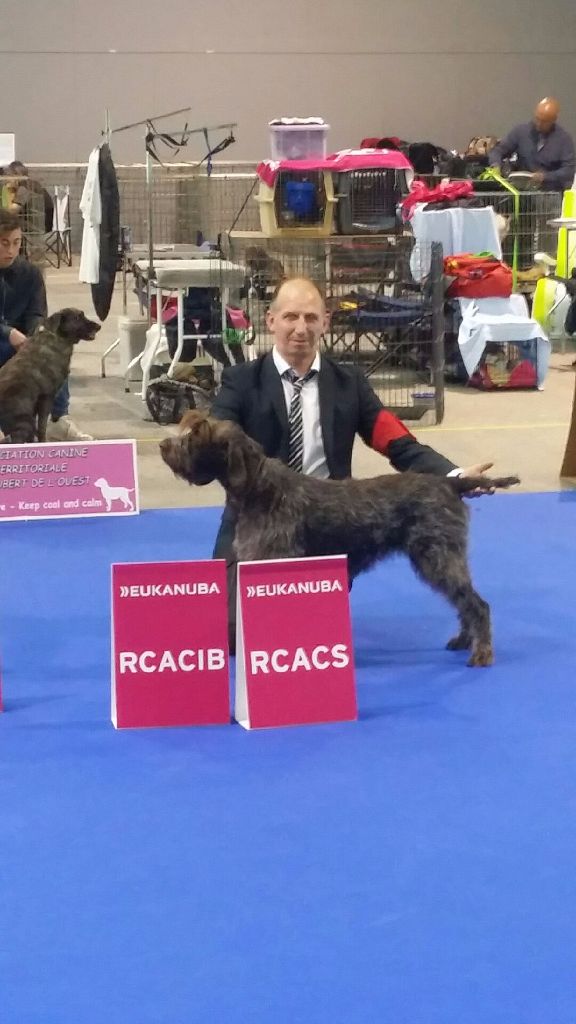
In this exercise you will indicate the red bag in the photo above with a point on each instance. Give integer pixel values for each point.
(422, 193)
(477, 277)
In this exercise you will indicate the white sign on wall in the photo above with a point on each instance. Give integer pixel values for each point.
(7, 148)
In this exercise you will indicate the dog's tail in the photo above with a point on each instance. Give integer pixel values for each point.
(464, 484)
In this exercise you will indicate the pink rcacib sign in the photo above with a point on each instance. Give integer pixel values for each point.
(59, 480)
(295, 660)
(169, 644)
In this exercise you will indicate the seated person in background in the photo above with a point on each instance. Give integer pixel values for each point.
(8, 189)
(22, 307)
(541, 147)
(306, 410)
(30, 199)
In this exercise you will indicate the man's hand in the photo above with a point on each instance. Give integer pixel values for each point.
(16, 339)
(537, 178)
(478, 470)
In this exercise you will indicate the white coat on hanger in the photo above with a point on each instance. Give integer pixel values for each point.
(91, 210)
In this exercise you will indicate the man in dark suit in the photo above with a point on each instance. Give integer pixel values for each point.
(305, 409)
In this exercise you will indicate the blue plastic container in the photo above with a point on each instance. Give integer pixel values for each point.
(300, 197)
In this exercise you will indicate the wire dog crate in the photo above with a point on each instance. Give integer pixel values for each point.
(527, 215)
(380, 319)
(36, 208)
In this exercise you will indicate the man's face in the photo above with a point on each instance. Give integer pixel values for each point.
(10, 244)
(297, 321)
(544, 120)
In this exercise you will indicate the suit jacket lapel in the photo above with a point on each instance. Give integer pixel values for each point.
(327, 399)
(272, 387)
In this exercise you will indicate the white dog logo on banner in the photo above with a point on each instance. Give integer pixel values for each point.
(111, 494)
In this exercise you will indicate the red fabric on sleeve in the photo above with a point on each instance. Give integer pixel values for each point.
(387, 428)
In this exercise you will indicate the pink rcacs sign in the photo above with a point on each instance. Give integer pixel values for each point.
(58, 480)
(169, 644)
(295, 662)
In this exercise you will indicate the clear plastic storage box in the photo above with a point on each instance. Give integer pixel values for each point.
(298, 140)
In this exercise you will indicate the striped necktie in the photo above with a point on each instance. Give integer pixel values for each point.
(295, 425)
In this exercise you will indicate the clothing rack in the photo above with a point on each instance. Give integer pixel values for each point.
(153, 135)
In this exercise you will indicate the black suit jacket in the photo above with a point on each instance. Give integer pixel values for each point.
(253, 397)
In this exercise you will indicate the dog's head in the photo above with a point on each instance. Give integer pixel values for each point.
(208, 449)
(502, 226)
(72, 325)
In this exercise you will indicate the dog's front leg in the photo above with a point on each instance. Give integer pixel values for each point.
(42, 412)
(257, 539)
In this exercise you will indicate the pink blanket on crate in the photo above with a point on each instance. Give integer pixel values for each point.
(344, 160)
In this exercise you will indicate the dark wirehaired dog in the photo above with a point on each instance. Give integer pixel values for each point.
(282, 514)
(30, 379)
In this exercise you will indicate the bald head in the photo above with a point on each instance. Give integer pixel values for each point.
(546, 115)
(296, 286)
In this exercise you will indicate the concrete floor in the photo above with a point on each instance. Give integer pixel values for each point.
(521, 432)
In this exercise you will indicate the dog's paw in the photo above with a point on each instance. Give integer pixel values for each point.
(482, 656)
(458, 643)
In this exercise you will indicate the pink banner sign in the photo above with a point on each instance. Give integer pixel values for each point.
(169, 644)
(295, 661)
(58, 480)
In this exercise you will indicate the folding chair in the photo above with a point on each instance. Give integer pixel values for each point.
(59, 240)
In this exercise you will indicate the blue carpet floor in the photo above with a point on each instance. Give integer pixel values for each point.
(416, 867)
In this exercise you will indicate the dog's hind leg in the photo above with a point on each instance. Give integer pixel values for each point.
(20, 431)
(43, 406)
(448, 573)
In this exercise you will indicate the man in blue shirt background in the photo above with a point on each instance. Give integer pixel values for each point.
(541, 147)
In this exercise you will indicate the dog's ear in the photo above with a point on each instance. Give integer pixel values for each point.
(54, 322)
(238, 469)
(188, 420)
(244, 456)
(196, 422)
(202, 466)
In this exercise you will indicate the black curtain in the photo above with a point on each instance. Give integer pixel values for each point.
(109, 233)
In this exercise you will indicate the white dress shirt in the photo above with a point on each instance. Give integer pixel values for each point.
(91, 209)
(314, 456)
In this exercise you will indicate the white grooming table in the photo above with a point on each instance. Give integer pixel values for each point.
(136, 260)
(178, 276)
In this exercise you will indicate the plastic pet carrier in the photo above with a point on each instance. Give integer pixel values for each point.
(299, 203)
(368, 200)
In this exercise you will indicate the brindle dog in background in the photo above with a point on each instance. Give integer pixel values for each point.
(283, 514)
(30, 379)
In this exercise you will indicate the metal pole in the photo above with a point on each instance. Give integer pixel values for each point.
(438, 328)
(150, 238)
(107, 128)
(149, 120)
